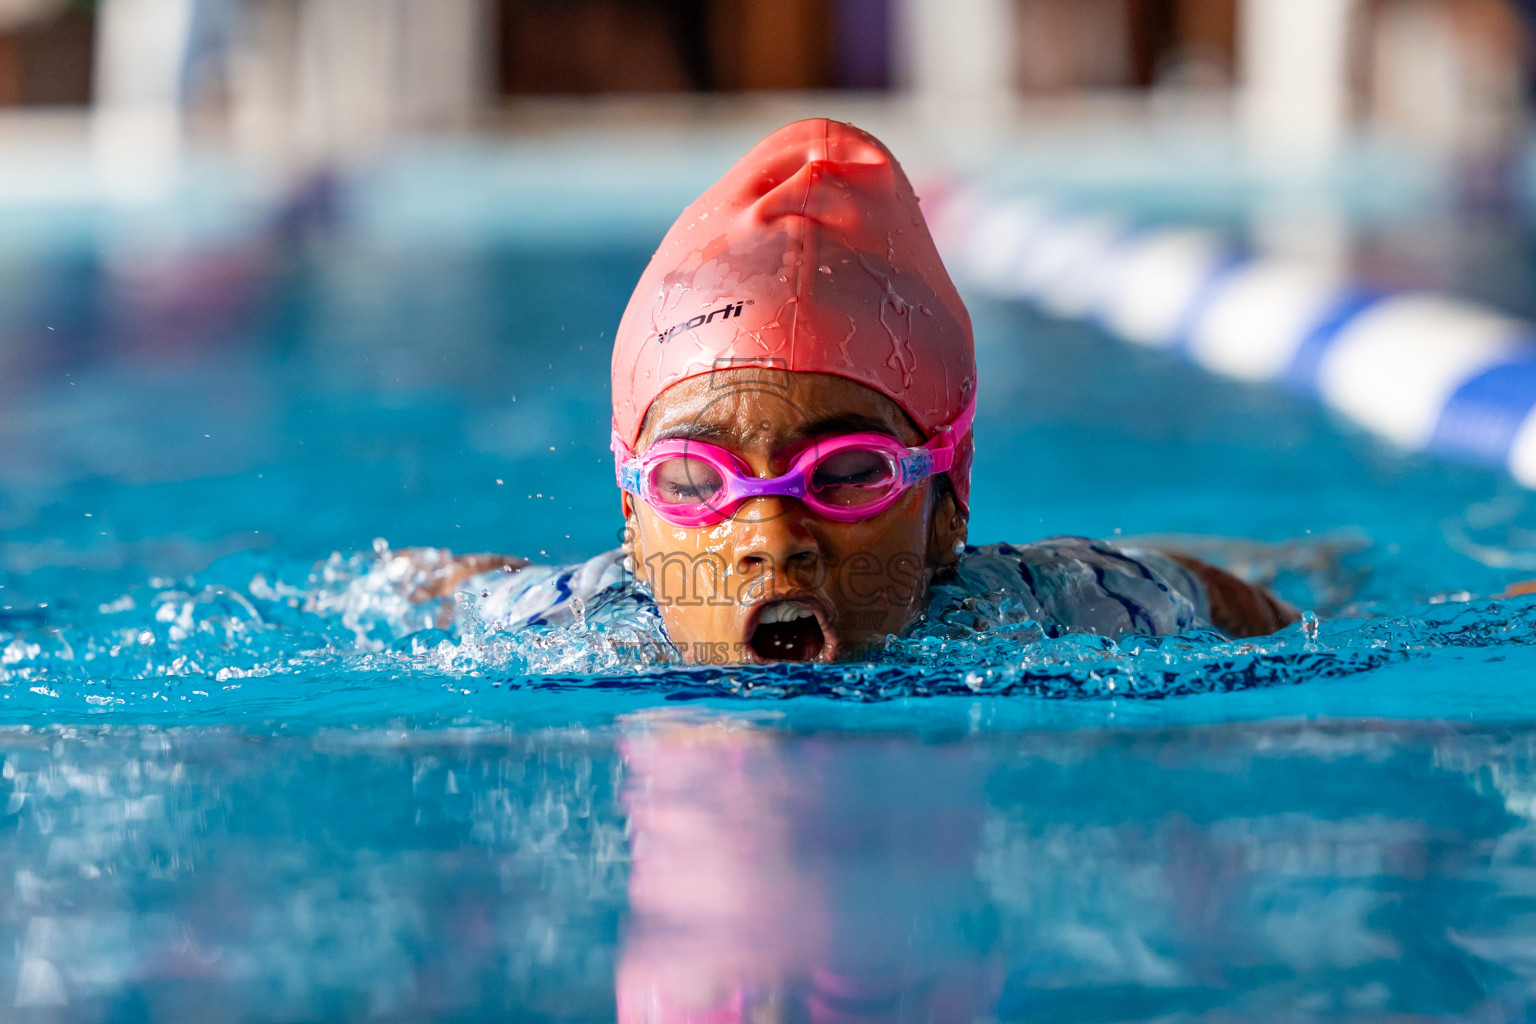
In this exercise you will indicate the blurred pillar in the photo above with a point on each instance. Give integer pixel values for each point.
(264, 80)
(445, 65)
(367, 70)
(956, 51)
(343, 75)
(1453, 77)
(141, 48)
(1294, 61)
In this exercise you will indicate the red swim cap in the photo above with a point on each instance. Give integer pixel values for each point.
(809, 255)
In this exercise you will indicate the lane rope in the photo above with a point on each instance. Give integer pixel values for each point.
(1426, 371)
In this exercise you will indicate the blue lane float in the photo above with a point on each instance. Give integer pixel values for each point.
(1425, 371)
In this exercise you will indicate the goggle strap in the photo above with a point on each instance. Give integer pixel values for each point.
(941, 447)
(624, 469)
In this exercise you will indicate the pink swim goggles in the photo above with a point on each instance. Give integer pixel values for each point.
(845, 478)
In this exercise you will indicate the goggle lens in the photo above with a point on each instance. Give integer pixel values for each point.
(852, 477)
(685, 481)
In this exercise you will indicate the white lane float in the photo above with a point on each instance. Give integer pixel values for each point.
(1394, 367)
(1424, 371)
(1260, 314)
(1155, 280)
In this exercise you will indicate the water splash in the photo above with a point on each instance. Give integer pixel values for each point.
(256, 634)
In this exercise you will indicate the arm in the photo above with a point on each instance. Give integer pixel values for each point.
(436, 573)
(441, 573)
(1238, 609)
(444, 577)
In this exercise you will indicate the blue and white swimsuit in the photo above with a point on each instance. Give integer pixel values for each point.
(1062, 584)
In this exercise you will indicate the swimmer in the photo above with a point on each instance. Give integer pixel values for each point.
(794, 386)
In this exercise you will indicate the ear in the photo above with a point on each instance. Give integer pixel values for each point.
(630, 544)
(946, 532)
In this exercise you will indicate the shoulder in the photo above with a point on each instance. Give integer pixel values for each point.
(1055, 558)
(1077, 585)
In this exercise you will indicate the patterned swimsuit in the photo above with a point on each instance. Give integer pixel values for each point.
(1062, 584)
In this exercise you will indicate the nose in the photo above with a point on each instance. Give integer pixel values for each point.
(778, 541)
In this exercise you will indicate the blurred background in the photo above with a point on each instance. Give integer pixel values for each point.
(319, 79)
(1311, 122)
(299, 84)
(294, 274)
(281, 277)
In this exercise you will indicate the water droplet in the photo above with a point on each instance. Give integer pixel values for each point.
(824, 269)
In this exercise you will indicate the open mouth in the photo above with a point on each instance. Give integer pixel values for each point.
(788, 631)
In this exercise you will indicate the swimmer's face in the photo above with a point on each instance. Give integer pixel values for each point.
(775, 581)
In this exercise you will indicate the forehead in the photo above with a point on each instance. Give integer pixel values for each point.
(746, 403)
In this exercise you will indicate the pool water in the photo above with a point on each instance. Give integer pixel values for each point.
(237, 788)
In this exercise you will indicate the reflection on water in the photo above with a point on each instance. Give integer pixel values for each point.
(706, 867)
(809, 879)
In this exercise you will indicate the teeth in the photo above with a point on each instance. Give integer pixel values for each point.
(786, 611)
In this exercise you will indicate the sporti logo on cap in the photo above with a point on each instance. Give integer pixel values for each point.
(724, 313)
(810, 254)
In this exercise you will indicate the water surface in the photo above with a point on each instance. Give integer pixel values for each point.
(239, 789)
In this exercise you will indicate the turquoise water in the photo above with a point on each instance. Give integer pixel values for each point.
(235, 792)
